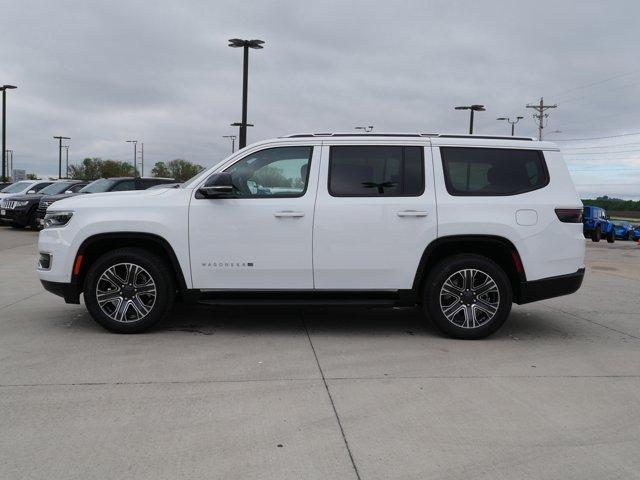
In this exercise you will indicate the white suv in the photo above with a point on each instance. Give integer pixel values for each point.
(461, 225)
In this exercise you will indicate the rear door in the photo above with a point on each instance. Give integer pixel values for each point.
(375, 214)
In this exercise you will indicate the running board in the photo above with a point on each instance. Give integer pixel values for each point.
(342, 298)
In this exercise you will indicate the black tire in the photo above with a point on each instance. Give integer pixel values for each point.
(611, 237)
(447, 270)
(154, 267)
(596, 234)
(33, 222)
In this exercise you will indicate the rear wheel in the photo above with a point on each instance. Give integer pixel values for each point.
(596, 234)
(467, 296)
(129, 290)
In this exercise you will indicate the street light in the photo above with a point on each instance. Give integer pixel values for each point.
(365, 129)
(135, 154)
(246, 45)
(513, 124)
(60, 138)
(472, 109)
(233, 141)
(4, 89)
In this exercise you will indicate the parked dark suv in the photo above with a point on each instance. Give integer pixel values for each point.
(102, 185)
(20, 210)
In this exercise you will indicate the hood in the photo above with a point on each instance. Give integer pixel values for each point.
(109, 199)
(35, 197)
(59, 196)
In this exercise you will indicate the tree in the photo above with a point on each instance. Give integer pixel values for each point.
(179, 169)
(32, 176)
(94, 168)
(160, 170)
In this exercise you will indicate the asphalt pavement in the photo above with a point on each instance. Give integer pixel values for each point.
(238, 393)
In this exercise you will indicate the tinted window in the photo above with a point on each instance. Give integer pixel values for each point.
(39, 186)
(492, 171)
(56, 188)
(124, 186)
(76, 188)
(100, 185)
(16, 187)
(376, 171)
(274, 172)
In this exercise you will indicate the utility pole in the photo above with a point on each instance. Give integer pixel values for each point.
(233, 141)
(66, 147)
(142, 159)
(60, 138)
(541, 116)
(135, 155)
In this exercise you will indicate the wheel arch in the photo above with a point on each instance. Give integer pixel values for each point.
(96, 245)
(499, 249)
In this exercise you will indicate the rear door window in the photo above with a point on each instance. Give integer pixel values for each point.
(124, 185)
(376, 171)
(492, 171)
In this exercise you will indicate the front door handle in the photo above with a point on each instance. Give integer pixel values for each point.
(288, 214)
(412, 213)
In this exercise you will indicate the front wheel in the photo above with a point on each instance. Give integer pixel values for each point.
(129, 290)
(596, 234)
(467, 296)
(611, 237)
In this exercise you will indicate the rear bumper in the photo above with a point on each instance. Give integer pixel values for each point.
(69, 291)
(550, 287)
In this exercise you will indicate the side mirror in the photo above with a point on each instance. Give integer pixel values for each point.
(31, 192)
(218, 185)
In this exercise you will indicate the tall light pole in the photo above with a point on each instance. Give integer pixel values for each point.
(60, 138)
(512, 123)
(365, 129)
(142, 159)
(472, 109)
(246, 45)
(233, 141)
(66, 147)
(4, 89)
(135, 154)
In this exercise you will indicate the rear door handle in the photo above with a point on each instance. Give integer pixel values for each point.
(288, 214)
(412, 213)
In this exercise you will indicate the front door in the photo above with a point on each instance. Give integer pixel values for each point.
(375, 214)
(261, 237)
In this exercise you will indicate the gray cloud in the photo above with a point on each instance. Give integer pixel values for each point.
(103, 72)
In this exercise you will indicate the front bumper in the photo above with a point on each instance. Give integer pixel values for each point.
(549, 287)
(12, 215)
(69, 291)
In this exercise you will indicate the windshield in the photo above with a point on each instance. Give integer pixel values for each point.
(55, 188)
(16, 187)
(623, 224)
(97, 186)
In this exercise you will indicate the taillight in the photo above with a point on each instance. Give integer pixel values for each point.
(569, 215)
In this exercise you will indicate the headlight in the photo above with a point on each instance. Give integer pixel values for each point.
(57, 219)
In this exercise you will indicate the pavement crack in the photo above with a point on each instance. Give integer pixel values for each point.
(333, 405)
(590, 321)
(7, 305)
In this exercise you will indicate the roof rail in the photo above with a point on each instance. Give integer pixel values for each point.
(414, 135)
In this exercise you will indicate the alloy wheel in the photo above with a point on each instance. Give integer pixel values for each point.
(126, 292)
(469, 298)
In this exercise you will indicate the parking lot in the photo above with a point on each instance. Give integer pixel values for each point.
(321, 393)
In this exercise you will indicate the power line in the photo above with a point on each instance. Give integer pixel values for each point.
(594, 138)
(582, 87)
(603, 146)
(601, 153)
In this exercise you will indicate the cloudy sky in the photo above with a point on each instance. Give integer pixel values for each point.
(103, 72)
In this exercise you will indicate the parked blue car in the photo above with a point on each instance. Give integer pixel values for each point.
(635, 234)
(596, 224)
(624, 230)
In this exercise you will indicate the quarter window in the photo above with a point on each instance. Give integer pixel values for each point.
(376, 171)
(492, 171)
(274, 172)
